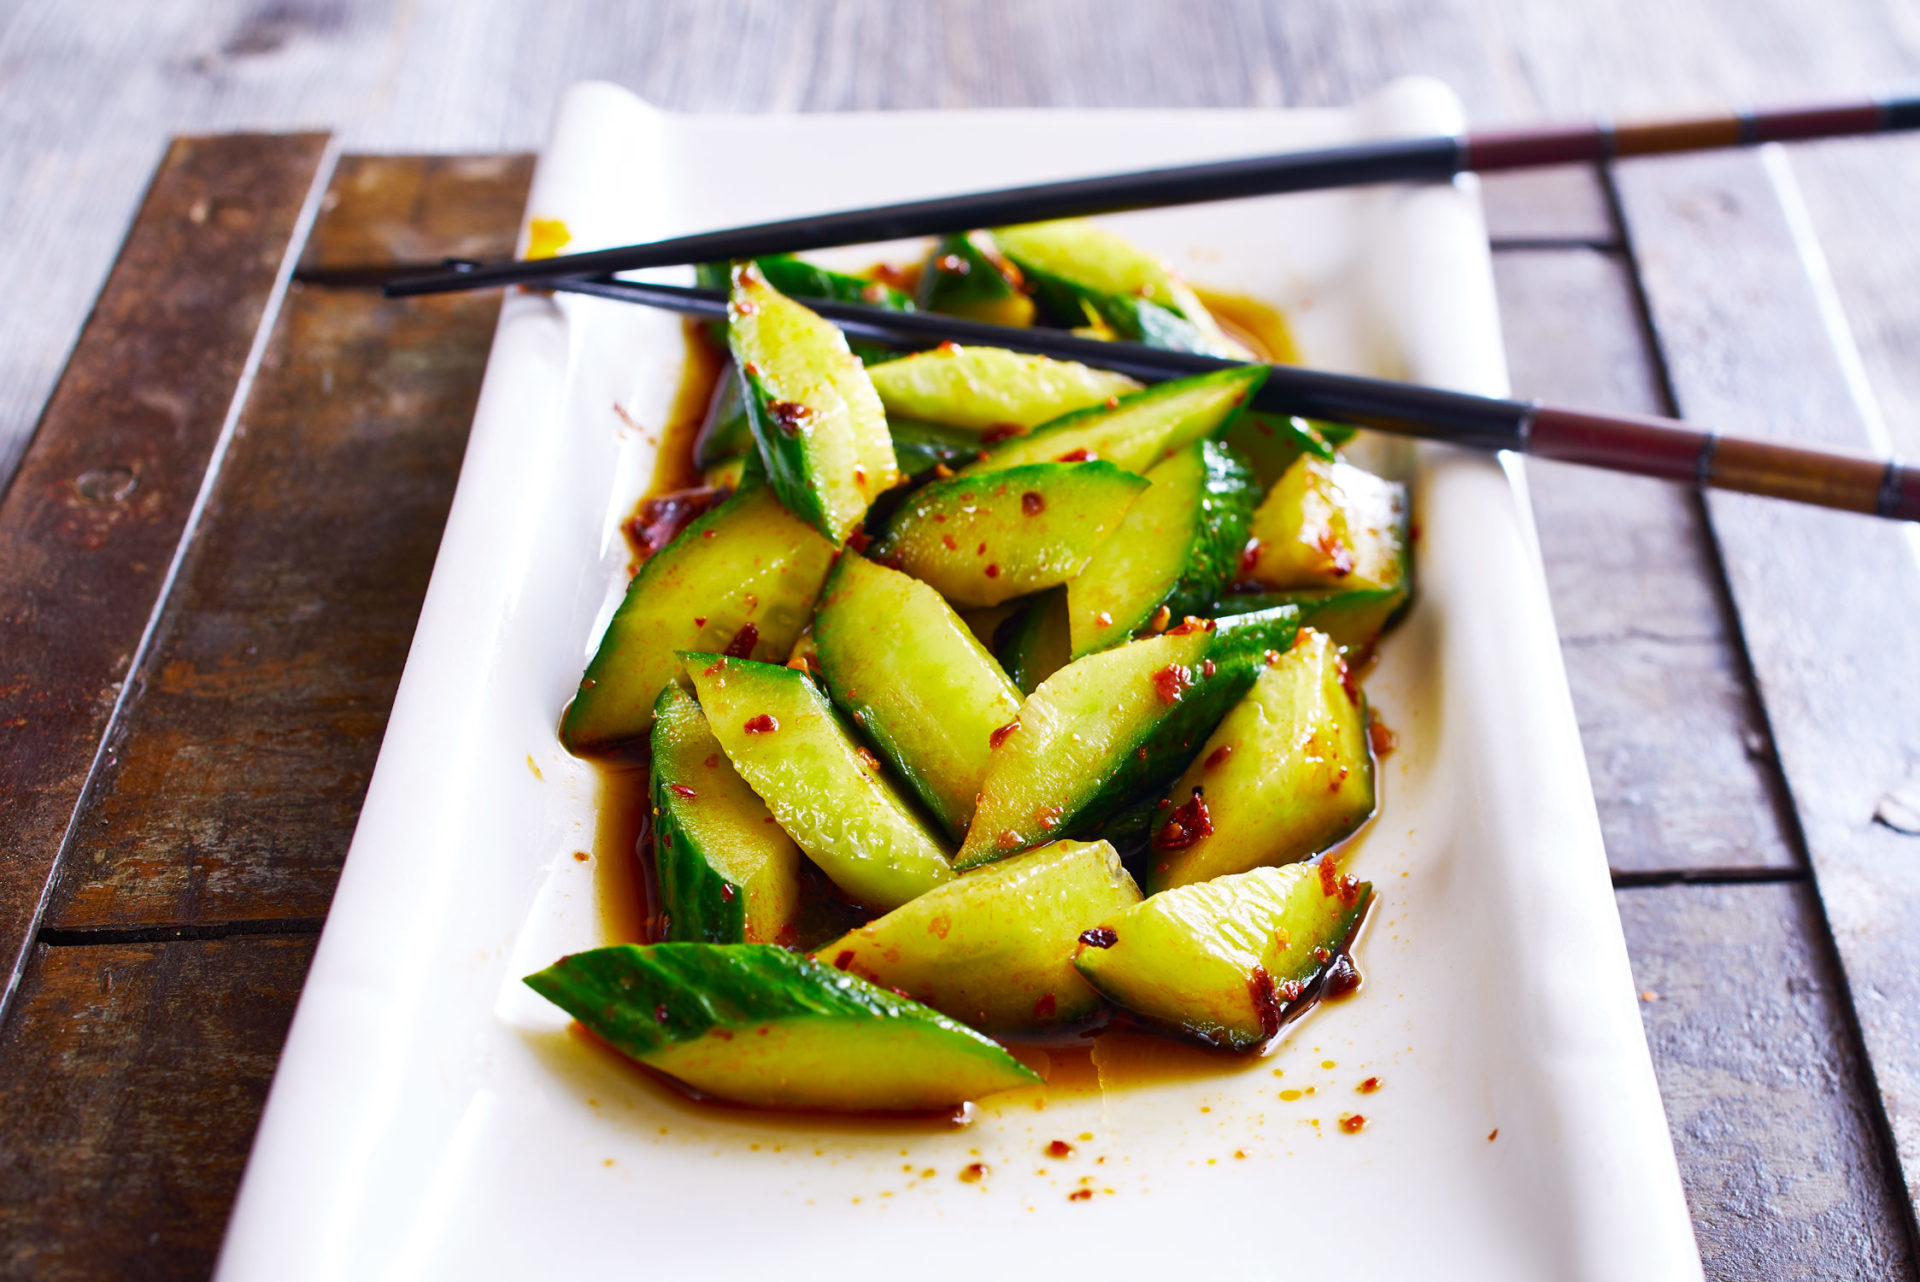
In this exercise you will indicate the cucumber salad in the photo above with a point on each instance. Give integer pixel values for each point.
(1035, 685)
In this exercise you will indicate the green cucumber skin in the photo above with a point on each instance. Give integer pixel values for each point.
(1271, 442)
(708, 827)
(651, 1001)
(1133, 319)
(1036, 644)
(1354, 619)
(788, 468)
(983, 283)
(797, 278)
(873, 628)
(1146, 759)
(1178, 546)
(1050, 440)
(920, 447)
(689, 594)
(726, 432)
(981, 540)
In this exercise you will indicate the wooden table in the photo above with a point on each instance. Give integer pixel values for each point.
(214, 552)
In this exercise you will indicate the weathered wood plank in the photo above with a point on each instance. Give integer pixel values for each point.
(1646, 632)
(1829, 603)
(1747, 1018)
(89, 528)
(252, 728)
(1560, 205)
(131, 1079)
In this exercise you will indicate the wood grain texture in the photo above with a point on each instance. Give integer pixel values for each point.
(1830, 603)
(89, 529)
(131, 1077)
(1675, 741)
(251, 730)
(1747, 1019)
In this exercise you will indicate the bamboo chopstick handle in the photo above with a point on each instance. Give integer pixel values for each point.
(1659, 447)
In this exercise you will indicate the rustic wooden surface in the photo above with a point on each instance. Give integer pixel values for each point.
(187, 925)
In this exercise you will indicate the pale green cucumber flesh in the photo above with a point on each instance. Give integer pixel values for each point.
(986, 539)
(1230, 960)
(914, 678)
(728, 874)
(1286, 774)
(1329, 525)
(758, 1025)
(1139, 429)
(825, 789)
(818, 422)
(995, 947)
(1105, 728)
(1178, 546)
(985, 390)
(748, 562)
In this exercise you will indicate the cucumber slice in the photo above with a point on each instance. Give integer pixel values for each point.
(983, 540)
(759, 1025)
(1178, 546)
(995, 948)
(1287, 773)
(967, 275)
(727, 873)
(741, 577)
(986, 622)
(1329, 525)
(1271, 442)
(1039, 644)
(1354, 619)
(825, 789)
(1138, 430)
(1112, 725)
(727, 474)
(1229, 961)
(1082, 272)
(813, 410)
(911, 674)
(989, 389)
(725, 432)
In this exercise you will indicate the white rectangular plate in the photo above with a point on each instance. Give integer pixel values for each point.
(432, 1119)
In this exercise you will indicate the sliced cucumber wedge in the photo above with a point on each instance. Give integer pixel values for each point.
(1112, 725)
(983, 540)
(1039, 644)
(1081, 272)
(1179, 545)
(826, 790)
(728, 874)
(910, 673)
(1138, 430)
(759, 1025)
(1231, 960)
(1286, 774)
(725, 434)
(1329, 525)
(990, 389)
(740, 578)
(995, 948)
(1354, 619)
(819, 424)
(920, 447)
(967, 275)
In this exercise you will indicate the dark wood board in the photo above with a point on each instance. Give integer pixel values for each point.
(1829, 603)
(131, 1077)
(245, 748)
(89, 526)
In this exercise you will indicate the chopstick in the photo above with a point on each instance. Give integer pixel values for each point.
(1393, 160)
(1641, 444)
